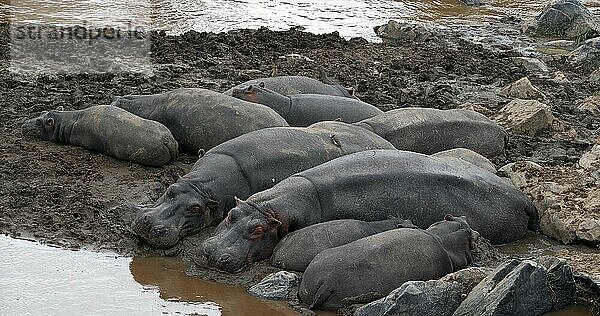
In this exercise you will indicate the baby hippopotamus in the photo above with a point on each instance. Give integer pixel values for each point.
(306, 109)
(296, 250)
(371, 267)
(108, 130)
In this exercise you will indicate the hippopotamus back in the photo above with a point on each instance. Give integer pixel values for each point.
(297, 249)
(428, 131)
(200, 118)
(371, 267)
(290, 85)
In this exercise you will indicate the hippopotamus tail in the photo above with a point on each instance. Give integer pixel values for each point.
(534, 219)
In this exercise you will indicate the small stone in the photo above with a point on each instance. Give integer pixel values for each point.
(395, 31)
(560, 43)
(590, 104)
(589, 230)
(560, 78)
(521, 89)
(517, 172)
(531, 64)
(586, 56)
(525, 117)
(277, 286)
(595, 76)
(553, 223)
(471, 2)
(552, 187)
(591, 159)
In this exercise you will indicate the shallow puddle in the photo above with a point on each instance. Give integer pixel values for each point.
(350, 17)
(41, 280)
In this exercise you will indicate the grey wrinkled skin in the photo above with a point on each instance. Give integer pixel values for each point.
(108, 130)
(297, 249)
(240, 167)
(371, 267)
(428, 131)
(200, 118)
(306, 109)
(369, 186)
(468, 156)
(289, 85)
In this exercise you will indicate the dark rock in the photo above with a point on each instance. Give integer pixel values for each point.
(565, 18)
(586, 56)
(560, 280)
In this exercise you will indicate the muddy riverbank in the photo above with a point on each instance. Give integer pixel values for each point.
(73, 198)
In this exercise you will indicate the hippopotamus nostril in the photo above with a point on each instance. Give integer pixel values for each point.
(159, 230)
(224, 258)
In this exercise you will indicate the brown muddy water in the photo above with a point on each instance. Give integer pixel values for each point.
(37, 279)
(351, 18)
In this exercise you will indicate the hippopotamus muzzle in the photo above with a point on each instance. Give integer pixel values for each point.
(157, 232)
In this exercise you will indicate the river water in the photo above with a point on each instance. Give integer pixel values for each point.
(349, 17)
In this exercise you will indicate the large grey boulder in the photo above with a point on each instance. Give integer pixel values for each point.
(521, 288)
(586, 56)
(431, 298)
(564, 18)
(281, 285)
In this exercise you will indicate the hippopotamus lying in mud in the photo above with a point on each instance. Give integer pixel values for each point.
(289, 85)
(371, 267)
(297, 249)
(306, 109)
(240, 167)
(428, 131)
(369, 186)
(108, 130)
(200, 118)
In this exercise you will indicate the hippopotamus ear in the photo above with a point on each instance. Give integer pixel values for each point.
(262, 84)
(201, 152)
(273, 222)
(50, 121)
(449, 217)
(473, 239)
(237, 201)
(406, 223)
(249, 89)
(60, 108)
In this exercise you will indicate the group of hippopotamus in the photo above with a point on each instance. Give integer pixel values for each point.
(356, 198)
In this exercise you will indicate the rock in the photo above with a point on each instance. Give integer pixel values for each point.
(531, 64)
(592, 203)
(525, 117)
(588, 289)
(589, 230)
(281, 285)
(430, 298)
(560, 44)
(560, 78)
(560, 281)
(590, 104)
(591, 159)
(586, 56)
(555, 224)
(471, 2)
(565, 18)
(521, 89)
(552, 187)
(433, 298)
(476, 107)
(517, 172)
(595, 76)
(515, 288)
(395, 31)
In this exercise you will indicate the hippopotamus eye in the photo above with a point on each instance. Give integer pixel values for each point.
(38, 122)
(196, 208)
(257, 232)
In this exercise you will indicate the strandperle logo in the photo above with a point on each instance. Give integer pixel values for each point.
(60, 48)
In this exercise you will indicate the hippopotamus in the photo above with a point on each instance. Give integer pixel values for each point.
(370, 185)
(467, 155)
(428, 131)
(306, 109)
(108, 130)
(371, 267)
(289, 85)
(240, 167)
(297, 249)
(200, 118)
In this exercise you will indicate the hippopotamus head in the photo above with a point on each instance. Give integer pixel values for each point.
(257, 94)
(43, 127)
(183, 210)
(246, 235)
(453, 231)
